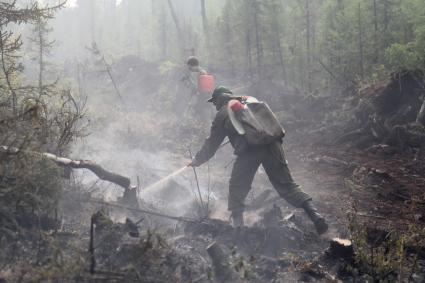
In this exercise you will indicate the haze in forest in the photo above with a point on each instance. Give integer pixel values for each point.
(103, 112)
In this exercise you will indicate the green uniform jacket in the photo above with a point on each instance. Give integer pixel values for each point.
(221, 127)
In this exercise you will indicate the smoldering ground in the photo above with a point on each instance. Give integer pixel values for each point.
(145, 128)
(144, 136)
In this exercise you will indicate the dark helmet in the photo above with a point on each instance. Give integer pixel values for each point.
(219, 91)
(192, 62)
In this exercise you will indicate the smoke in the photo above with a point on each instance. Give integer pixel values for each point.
(162, 182)
(139, 140)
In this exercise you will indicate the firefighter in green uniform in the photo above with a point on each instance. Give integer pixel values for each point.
(249, 158)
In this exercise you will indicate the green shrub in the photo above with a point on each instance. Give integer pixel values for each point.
(402, 57)
(32, 193)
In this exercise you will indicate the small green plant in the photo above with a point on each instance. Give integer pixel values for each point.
(381, 255)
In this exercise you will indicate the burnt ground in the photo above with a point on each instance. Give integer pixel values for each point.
(370, 189)
(279, 244)
(387, 189)
(382, 188)
(368, 186)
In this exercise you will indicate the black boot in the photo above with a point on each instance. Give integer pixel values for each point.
(318, 220)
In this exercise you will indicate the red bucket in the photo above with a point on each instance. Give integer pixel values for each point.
(205, 83)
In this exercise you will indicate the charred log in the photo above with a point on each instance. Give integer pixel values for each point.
(97, 170)
(341, 248)
(67, 163)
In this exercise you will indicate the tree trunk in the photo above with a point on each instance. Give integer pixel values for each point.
(229, 47)
(277, 46)
(40, 57)
(375, 35)
(308, 34)
(175, 19)
(4, 46)
(386, 14)
(204, 17)
(92, 20)
(205, 27)
(249, 54)
(258, 46)
(164, 34)
(361, 63)
(91, 247)
(281, 60)
(421, 115)
(180, 38)
(248, 40)
(386, 39)
(79, 80)
(340, 5)
(138, 29)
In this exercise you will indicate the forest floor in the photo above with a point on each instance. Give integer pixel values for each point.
(383, 192)
(390, 189)
(371, 195)
(280, 244)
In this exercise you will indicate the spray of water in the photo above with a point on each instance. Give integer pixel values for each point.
(161, 183)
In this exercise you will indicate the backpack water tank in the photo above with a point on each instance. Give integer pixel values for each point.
(205, 83)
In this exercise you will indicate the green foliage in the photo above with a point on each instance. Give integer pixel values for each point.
(402, 57)
(382, 257)
(33, 192)
(242, 266)
(33, 119)
(323, 43)
(166, 67)
(52, 261)
(306, 43)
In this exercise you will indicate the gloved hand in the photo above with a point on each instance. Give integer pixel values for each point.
(192, 163)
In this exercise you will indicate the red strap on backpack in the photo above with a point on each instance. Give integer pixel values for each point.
(236, 106)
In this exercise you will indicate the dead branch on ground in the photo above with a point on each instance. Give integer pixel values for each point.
(99, 171)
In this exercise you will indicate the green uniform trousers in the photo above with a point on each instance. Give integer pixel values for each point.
(274, 163)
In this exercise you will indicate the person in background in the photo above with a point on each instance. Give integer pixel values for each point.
(194, 67)
(194, 106)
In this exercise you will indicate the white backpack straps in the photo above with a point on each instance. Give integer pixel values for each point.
(235, 122)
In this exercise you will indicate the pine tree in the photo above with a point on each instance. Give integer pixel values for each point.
(42, 46)
(29, 186)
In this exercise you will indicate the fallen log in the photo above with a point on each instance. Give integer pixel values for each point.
(96, 169)
(100, 172)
